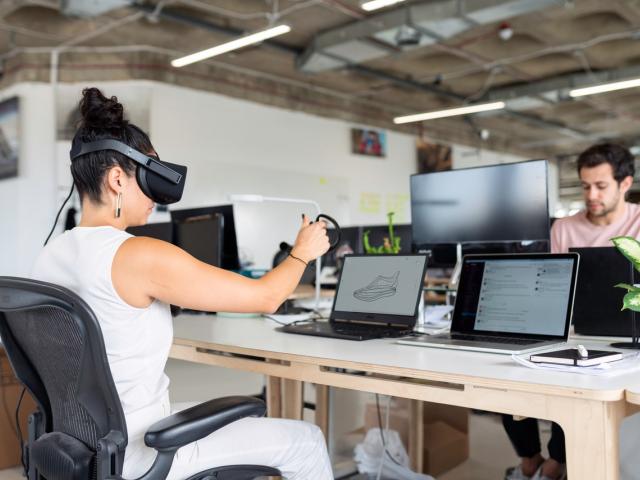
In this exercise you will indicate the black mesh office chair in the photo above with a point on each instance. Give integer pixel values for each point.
(55, 346)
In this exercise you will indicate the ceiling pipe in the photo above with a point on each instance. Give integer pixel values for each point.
(178, 17)
(170, 14)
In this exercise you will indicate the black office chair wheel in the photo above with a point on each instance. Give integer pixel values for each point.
(237, 472)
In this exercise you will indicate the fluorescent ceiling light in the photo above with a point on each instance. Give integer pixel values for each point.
(451, 112)
(376, 4)
(232, 45)
(607, 87)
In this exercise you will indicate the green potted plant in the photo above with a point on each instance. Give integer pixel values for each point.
(391, 244)
(630, 248)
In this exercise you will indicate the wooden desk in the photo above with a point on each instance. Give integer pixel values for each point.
(588, 408)
(633, 397)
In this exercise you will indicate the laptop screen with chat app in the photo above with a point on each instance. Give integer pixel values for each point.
(529, 296)
(380, 287)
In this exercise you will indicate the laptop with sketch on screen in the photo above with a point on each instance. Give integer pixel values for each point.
(377, 296)
(510, 303)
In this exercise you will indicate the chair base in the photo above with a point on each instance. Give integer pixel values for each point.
(236, 472)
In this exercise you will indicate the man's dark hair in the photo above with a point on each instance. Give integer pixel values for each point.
(619, 157)
(102, 118)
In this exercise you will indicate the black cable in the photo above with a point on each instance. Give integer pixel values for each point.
(312, 319)
(384, 443)
(55, 222)
(20, 438)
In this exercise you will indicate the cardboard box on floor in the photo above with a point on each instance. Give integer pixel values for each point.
(446, 429)
(10, 390)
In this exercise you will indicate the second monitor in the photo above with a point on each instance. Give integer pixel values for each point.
(230, 259)
(201, 237)
(598, 304)
(498, 203)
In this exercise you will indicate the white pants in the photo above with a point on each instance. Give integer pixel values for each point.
(295, 448)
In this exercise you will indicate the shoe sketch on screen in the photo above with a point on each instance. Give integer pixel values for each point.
(380, 287)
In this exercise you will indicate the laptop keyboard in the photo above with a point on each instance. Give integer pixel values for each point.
(369, 331)
(492, 339)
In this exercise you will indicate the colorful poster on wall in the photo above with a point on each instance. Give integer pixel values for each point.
(432, 157)
(9, 138)
(369, 142)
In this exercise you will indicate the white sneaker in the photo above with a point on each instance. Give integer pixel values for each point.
(515, 473)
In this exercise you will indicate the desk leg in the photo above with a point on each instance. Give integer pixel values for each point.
(292, 399)
(322, 410)
(416, 435)
(274, 397)
(591, 431)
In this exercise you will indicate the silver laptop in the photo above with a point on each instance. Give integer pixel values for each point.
(510, 303)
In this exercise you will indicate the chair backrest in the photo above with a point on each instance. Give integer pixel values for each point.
(55, 346)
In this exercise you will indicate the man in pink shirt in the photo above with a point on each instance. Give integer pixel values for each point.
(606, 173)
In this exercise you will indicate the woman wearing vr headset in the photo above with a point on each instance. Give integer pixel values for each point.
(129, 282)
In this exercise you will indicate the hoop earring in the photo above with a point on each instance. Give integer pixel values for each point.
(118, 204)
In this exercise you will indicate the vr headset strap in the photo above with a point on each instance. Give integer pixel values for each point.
(140, 158)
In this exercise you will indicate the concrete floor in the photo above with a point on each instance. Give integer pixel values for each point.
(491, 452)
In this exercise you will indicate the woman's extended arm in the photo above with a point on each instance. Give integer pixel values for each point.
(145, 269)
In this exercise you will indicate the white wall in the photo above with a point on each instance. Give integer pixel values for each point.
(27, 202)
(235, 146)
(230, 146)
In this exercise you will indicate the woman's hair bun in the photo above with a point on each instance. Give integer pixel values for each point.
(100, 112)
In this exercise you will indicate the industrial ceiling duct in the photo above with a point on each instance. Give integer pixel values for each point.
(430, 22)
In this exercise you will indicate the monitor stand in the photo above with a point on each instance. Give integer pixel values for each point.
(634, 344)
(455, 275)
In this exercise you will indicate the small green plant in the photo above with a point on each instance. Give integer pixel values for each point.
(630, 248)
(391, 244)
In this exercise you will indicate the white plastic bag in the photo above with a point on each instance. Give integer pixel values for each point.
(370, 453)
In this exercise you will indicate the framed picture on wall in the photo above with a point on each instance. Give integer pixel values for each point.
(368, 142)
(432, 157)
(9, 141)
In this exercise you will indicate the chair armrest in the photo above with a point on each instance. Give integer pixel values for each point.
(197, 422)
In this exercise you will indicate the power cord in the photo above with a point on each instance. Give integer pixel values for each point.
(384, 442)
(55, 222)
(297, 322)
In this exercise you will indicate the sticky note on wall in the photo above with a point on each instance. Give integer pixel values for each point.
(370, 202)
(398, 203)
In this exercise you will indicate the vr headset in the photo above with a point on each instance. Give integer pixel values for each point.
(162, 182)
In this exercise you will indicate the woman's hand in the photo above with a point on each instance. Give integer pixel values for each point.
(312, 240)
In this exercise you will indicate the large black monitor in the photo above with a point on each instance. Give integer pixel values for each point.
(160, 231)
(230, 260)
(499, 203)
(201, 237)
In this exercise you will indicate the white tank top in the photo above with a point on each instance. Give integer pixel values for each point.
(137, 340)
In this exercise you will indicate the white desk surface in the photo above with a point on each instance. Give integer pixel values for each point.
(259, 334)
